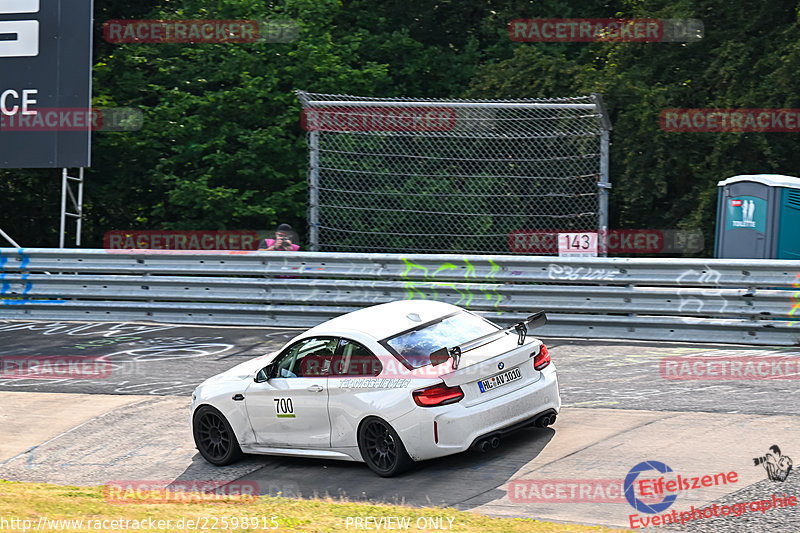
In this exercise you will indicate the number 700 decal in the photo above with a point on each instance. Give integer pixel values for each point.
(284, 408)
(24, 41)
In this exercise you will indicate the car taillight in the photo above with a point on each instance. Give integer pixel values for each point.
(437, 395)
(542, 359)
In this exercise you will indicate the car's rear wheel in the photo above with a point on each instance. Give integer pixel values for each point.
(214, 437)
(381, 448)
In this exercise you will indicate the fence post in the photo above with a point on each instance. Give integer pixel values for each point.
(604, 181)
(313, 190)
(62, 226)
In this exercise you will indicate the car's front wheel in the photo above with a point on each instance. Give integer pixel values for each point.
(381, 448)
(214, 437)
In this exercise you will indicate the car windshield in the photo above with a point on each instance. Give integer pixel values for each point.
(415, 346)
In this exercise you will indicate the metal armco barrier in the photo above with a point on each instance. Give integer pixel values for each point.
(703, 300)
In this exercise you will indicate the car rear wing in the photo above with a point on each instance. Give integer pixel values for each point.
(441, 355)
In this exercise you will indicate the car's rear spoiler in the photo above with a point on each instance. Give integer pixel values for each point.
(441, 355)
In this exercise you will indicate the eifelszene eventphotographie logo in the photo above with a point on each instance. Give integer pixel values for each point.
(639, 504)
(777, 465)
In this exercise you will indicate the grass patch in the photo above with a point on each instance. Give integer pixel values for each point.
(41, 505)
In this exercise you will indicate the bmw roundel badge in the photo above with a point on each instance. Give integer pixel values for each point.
(500, 366)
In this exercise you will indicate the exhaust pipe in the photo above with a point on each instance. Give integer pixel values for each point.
(492, 440)
(545, 420)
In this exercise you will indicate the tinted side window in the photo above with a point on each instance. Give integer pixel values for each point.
(353, 359)
(308, 358)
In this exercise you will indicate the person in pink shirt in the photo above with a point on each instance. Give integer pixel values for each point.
(282, 241)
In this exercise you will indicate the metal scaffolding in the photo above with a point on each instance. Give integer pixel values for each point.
(76, 205)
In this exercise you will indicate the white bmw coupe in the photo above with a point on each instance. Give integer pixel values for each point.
(387, 385)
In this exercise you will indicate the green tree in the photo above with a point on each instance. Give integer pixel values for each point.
(221, 146)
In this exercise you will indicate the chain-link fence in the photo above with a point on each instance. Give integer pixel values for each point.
(403, 175)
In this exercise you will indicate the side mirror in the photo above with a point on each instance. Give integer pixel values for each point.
(264, 374)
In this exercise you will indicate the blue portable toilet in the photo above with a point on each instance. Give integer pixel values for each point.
(758, 217)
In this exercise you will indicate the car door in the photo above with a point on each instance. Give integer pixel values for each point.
(289, 407)
(351, 389)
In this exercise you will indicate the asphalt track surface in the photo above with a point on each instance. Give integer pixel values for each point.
(618, 411)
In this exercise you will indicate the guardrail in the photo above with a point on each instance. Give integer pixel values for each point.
(705, 300)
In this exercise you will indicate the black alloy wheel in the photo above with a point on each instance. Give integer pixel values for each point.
(381, 448)
(214, 437)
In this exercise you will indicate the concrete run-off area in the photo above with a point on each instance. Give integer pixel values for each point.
(620, 411)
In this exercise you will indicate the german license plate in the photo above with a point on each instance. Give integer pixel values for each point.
(499, 380)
